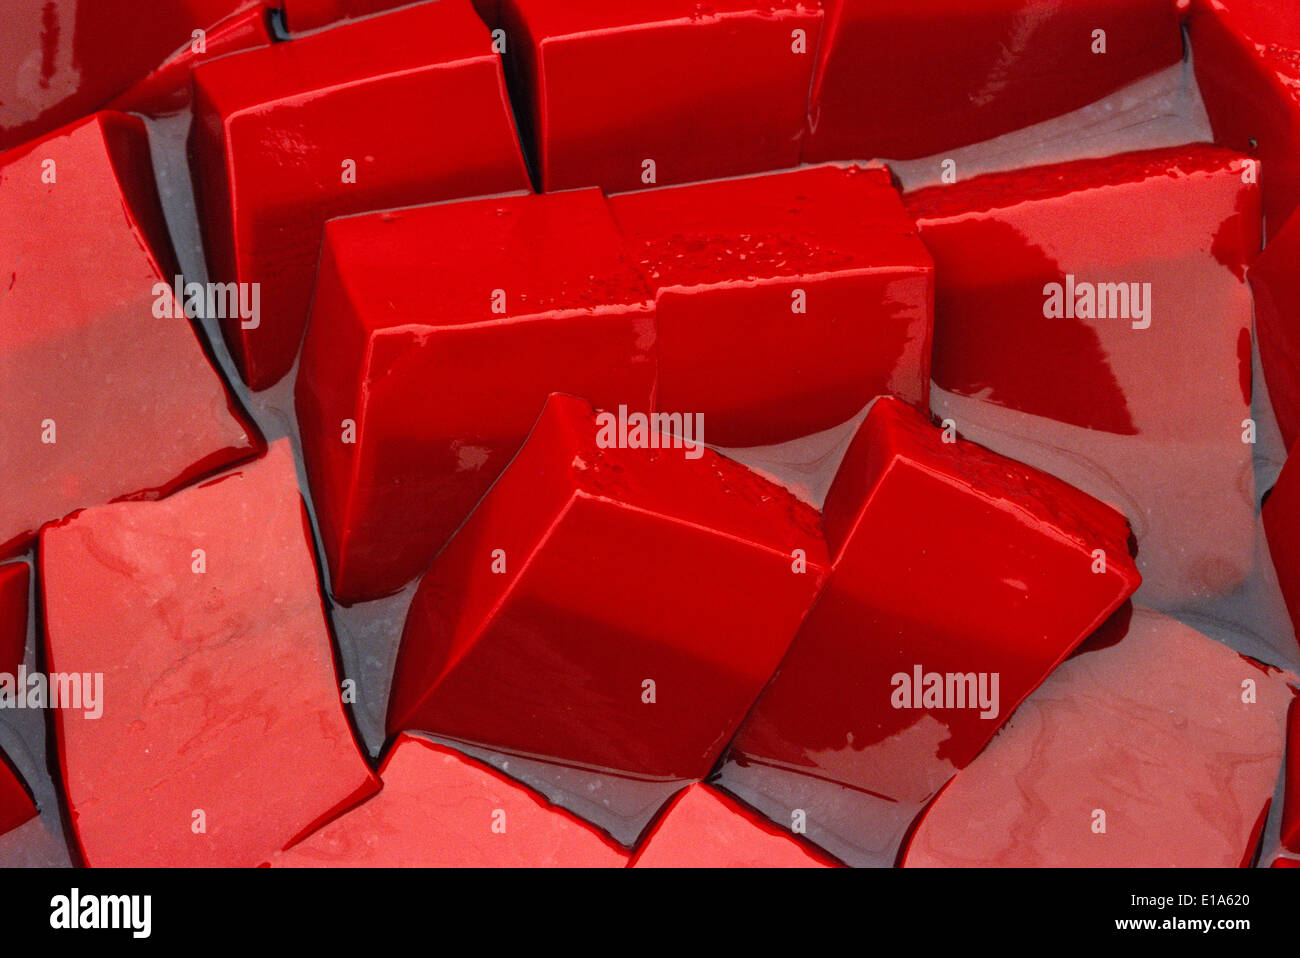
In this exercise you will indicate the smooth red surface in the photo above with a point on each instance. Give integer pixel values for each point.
(301, 15)
(168, 88)
(946, 557)
(274, 126)
(14, 580)
(901, 79)
(62, 59)
(404, 341)
(1275, 281)
(137, 407)
(1158, 411)
(438, 809)
(622, 565)
(16, 806)
(704, 90)
(1247, 59)
(1291, 801)
(725, 260)
(1152, 731)
(705, 828)
(1281, 515)
(220, 689)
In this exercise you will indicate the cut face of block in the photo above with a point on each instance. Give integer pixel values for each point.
(705, 828)
(1247, 59)
(784, 303)
(289, 135)
(1291, 804)
(1092, 319)
(62, 59)
(1275, 281)
(1161, 750)
(104, 393)
(625, 95)
(217, 695)
(440, 809)
(14, 579)
(960, 580)
(438, 333)
(902, 79)
(608, 607)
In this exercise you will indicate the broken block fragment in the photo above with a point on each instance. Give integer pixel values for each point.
(1161, 750)
(1092, 319)
(221, 705)
(960, 580)
(436, 336)
(705, 828)
(289, 135)
(440, 809)
(104, 392)
(646, 92)
(608, 605)
(14, 579)
(784, 303)
(902, 79)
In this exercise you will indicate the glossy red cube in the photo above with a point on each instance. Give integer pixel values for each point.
(104, 391)
(784, 303)
(902, 79)
(1275, 281)
(1160, 750)
(960, 580)
(289, 135)
(706, 828)
(221, 704)
(1092, 319)
(14, 586)
(62, 59)
(438, 333)
(611, 607)
(643, 92)
(440, 809)
(1247, 59)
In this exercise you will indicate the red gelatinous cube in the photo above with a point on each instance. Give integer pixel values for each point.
(1147, 752)
(16, 805)
(907, 78)
(784, 303)
(104, 392)
(698, 91)
(1247, 59)
(440, 809)
(1291, 801)
(436, 336)
(960, 580)
(14, 579)
(541, 630)
(1275, 281)
(289, 135)
(62, 59)
(1092, 319)
(219, 698)
(705, 828)
(168, 88)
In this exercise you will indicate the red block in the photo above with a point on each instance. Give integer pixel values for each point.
(62, 59)
(1247, 58)
(440, 809)
(908, 78)
(624, 575)
(16, 805)
(302, 15)
(1291, 804)
(1151, 738)
(1281, 515)
(702, 90)
(784, 303)
(292, 134)
(948, 561)
(168, 89)
(103, 393)
(222, 737)
(14, 578)
(439, 332)
(1092, 319)
(1275, 281)
(704, 828)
